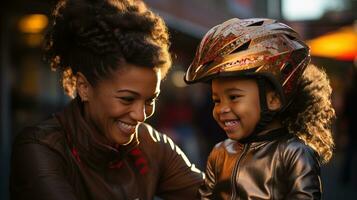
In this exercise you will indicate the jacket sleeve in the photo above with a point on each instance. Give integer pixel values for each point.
(179, 178)
(206, 190)
(37, 173)
(303, 172)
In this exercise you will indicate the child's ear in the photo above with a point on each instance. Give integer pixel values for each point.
(84, 89)
(273, 100)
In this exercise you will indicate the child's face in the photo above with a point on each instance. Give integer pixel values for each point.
(236, 106)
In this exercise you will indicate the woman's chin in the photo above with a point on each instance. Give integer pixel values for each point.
(123, 140)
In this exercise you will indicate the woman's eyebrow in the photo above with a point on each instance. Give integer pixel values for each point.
(129, 91)
(155, 95)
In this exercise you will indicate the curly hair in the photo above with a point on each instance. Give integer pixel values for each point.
(311, 113)
(96, 37)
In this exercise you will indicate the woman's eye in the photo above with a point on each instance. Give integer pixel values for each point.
(126, 99)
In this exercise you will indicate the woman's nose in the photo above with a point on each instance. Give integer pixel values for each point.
(138, 112)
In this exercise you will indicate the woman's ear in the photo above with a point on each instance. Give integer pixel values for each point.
(84, 89)
(273, 100)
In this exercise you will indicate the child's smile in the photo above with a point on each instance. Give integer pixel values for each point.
(230, 125)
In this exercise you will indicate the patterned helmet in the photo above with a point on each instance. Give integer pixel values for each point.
(251, 47)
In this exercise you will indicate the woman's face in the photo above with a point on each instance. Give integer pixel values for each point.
(117, 105)
(236, 106)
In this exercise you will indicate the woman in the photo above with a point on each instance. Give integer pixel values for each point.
(113, 55)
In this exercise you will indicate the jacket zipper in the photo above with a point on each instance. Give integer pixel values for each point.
(235, 171)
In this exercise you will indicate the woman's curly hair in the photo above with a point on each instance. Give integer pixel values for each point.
(96, 37)
(311, 113)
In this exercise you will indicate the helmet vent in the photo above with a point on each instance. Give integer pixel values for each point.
(287, 68)
(208, 63)
(290, 37)
(256, 24)
(243, 47)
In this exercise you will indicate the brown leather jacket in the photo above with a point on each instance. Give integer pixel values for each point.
(60, 159)
(278, 167)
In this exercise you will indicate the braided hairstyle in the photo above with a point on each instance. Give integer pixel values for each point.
(311, 113)
(96, 37)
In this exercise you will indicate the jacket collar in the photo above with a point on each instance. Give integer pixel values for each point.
(234, 146)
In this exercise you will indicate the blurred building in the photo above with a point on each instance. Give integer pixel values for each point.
(30, 92)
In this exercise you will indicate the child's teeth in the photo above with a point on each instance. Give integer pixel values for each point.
(230, 123)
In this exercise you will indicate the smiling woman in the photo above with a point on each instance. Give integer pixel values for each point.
(112, 55)
(117, 106)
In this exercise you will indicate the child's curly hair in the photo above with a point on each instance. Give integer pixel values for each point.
(311, 113)
(96, 37)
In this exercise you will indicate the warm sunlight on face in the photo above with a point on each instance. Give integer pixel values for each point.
(117, 105)
(236, 106)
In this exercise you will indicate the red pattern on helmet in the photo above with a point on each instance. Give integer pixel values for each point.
(272, 46)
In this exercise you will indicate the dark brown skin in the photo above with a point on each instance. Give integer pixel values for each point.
(237, 107)
(118, 104)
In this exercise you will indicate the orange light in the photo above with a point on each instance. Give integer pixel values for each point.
(341, 44)
(35, 23)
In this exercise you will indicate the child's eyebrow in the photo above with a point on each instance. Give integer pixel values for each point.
(234, 90)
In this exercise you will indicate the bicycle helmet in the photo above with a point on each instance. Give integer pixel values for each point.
(261, 48)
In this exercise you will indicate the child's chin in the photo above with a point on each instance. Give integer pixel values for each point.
(233, 136)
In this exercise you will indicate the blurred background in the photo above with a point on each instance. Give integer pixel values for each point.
(30, 92)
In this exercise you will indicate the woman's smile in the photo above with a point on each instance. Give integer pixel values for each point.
(127, 129)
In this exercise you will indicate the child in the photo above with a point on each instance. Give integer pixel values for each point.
(274, 107)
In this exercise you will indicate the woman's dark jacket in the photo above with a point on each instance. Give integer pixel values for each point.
(279, 167)
(61, 159)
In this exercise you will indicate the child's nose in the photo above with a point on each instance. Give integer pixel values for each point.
(225, 109)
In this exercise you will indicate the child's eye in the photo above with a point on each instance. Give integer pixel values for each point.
(234, 97)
